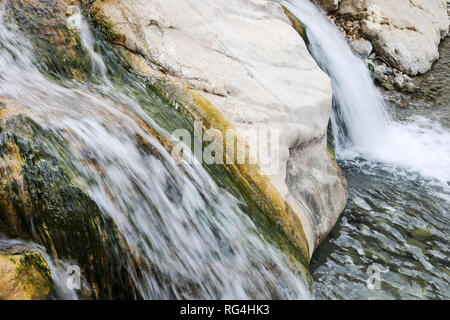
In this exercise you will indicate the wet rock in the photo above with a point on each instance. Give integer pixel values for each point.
(388, 86)
(406, 33)
(40, 201)
(362, 47)
(241, 62)
(399, 82)
(380, 71)
(58, 48)
(421, 234)
(24, 276)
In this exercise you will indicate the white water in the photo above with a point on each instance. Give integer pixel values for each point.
(174, 217)
(362, 125)
(76, 21)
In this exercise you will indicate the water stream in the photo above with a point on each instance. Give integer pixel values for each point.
(392, 240)
(187, 226)
(185, 230)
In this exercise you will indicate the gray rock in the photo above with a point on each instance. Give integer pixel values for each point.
(362, 47)
(406, 33)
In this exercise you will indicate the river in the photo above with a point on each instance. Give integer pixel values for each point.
(392, 239)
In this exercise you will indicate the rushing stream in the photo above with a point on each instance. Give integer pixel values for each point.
(187, 231)
(184, 232)
(392, 239)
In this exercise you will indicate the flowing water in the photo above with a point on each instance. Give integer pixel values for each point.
(191, 236)
(392, 240)
(189, 227)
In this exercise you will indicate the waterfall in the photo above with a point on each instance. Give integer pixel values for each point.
(363, 125)
(191, 237)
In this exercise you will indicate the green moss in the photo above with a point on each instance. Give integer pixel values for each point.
(421, 234)
(34, 274)
(105, 25)
(58, 48)
(330, 142)
(56, 213)
(297, 25)
(24, 275)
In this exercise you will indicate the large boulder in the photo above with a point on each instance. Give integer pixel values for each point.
(247, 60)
(406, 33)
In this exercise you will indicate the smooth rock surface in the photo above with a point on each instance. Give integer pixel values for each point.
(406, 33)
(362, 47)
(245, 57)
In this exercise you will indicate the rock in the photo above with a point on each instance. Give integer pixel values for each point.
(404, 103)
(328, 5)
(45, 21)
(24, 276)
(399, 82)
(247, 60)
(421, 234)
(388, 86)
(406, 33)
(362, 47)
(40, 201)
(380, 71)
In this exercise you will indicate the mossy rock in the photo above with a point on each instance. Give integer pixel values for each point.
(260, 194)
(421, 234)
(40, 201)
(297, 25)
(24, 276)
(57, 47)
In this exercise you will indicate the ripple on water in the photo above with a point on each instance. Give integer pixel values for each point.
(396, 225)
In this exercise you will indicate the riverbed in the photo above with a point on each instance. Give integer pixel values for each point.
(391, 242)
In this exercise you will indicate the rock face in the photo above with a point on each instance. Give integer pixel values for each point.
(248, 61)
(24, 276)
(406, 33)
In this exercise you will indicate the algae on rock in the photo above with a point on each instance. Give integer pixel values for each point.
(24, 276)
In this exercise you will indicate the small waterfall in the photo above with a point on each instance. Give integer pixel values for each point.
(57, 270)
(362, 124)
(77, 21)
(192, 238)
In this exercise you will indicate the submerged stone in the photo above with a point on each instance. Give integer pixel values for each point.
(421, 234)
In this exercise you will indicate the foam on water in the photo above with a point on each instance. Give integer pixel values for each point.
(362, 123)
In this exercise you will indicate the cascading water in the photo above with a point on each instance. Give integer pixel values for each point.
(362, 124)
(186, 236)
(396, 225)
